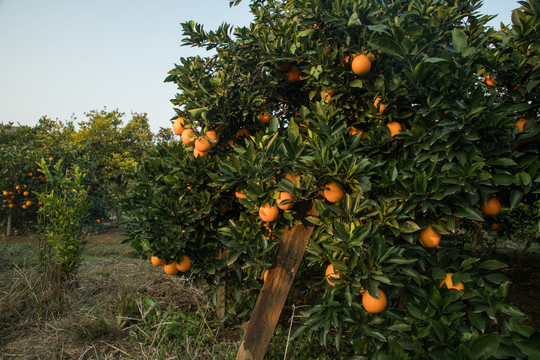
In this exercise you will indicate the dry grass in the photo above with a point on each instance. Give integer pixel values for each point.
(120, 308)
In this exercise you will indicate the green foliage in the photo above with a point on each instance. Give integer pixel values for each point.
(458, 148)
(61, 229)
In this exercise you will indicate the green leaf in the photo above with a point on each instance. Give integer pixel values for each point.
(387, 46)
(484, 346)
(492, 265)
(274, 125)
(434, 60)
(503, 179)
(469, 213)
(459, 40)
(516, 197)
(530, 347)
(354, 20)
(356, 83)
(409, 227)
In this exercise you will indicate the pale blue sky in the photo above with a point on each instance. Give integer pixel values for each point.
(64, 57)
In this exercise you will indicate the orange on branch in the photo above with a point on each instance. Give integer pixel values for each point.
(178, 126)
(361, 65)
(213, 136)
(264, 118)
(157, 261)
(333, 192)
(198, 153)
(492, 207)
(450, 284)
(394, 127)
(185, 264)
(202, 144)
(381, 107)
(330, 274)
(373, 305)
(429, 237)
(285, 196)
(188, 137)
(293, 75)
(268, 213)
(171, 269)
(521, 123)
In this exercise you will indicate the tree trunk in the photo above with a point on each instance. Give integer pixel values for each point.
(8, 230)
(274, 292)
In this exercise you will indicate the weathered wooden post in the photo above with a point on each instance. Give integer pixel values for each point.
(8, 230)
(278, 283)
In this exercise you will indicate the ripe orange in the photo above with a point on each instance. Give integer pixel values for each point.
(354, 131)
(394, 127)
(30, 174)
(361, 65)
(198, 153)
(171, 269)
(264, 118)
(429, 237)
(283, 68)
(98, 221)
(494, 226)
(202, 144)
(26, 193)
(242, 132)
(490, 81)
(373, 305)
(213, 136)
(328, 96)
(239, 194)
(380, 107)
(4, 192)
(28, 203)
(178, 126)
(157, 261)
(450, 284)
(50, 158)
(17, 187)
(492, 207)
(370, 56)
(330, 274)
(296, 180)
(24, 206)
(285, 196)
(188, 137)
(268, 213)
(44, 147)
(185, 264)
(293, 75)
(10, 206)
(520, 123)
(333, 192)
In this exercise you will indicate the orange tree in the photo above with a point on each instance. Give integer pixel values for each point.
(385, 115)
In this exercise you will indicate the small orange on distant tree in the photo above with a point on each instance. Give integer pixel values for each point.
(171, 269)
(10, 206)
(239, 194)
(361, 65)
(330, 274)
(157, 261)
(490, 81)
(333, 192)
(394, 127)
(185, 264)
(492, 207)
(296, 179)
(373, 305)
(429, 237)
(242, 132)
(268, 213)
(354, 131)
(50, 158)
(450, 284)
(28, 203)
(26, 193)
(494, 226)
(30, 174)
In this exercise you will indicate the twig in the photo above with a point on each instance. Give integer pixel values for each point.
(289, 336)
(87, 350)
(114, 347)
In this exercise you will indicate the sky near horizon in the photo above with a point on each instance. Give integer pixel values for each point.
(63, 58)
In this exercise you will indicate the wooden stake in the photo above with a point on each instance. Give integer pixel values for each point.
(8, 231)
(220, 297)
(274, 292)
